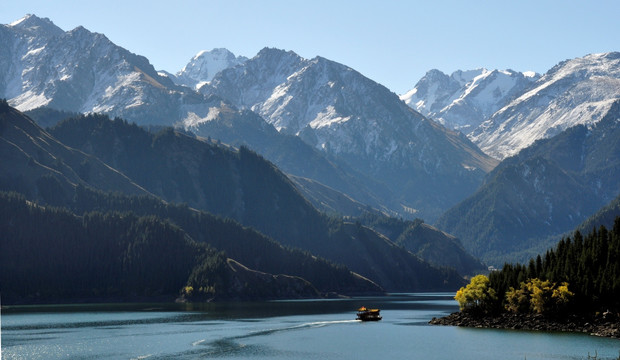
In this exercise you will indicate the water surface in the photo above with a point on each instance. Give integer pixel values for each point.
(310, 329)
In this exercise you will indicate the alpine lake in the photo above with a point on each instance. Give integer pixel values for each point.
(299, 329)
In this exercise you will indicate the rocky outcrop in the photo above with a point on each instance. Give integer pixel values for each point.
(606, 324)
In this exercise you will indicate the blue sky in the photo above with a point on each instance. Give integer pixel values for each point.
(391, 42)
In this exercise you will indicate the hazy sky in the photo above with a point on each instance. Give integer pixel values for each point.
(391, 42)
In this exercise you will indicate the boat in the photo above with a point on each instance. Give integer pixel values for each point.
(365, 314)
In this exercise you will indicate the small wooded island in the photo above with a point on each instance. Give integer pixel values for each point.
(574, 287)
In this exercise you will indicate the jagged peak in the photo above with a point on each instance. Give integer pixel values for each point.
(434, 73)
(30, 20)
(81, 30)
(272, 53)
(465, 76)
(219, 52)
(35, 25)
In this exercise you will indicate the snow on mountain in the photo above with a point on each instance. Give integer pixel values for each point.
(33, 25)
(577, 91)
(328, 104)
(81, 71)
(342, 113)
(466, 98)
(205, 65)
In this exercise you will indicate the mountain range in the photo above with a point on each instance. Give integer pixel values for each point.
(464, 99)
(353, 119)
(501, 159)
(505, 111)
(331, 107)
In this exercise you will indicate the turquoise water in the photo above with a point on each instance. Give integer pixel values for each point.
(323, 329)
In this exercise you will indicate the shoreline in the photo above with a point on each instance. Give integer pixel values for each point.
(599, 326)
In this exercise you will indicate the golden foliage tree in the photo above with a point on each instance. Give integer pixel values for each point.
(477, 295)
(538, 296)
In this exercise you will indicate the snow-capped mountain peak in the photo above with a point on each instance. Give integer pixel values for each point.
(465, 98)
(205, 65)
(576, 91)
(82, 71)
(35, 26)
(344, 114)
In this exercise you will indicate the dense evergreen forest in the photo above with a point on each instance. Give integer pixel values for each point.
(244, 244)
(49, 254)
(130, 247)
(581, 275)
(437, 247)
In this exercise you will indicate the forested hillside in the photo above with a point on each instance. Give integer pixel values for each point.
(119, 255)
(313, 250)
(243, 244)
(243, 186)
(437, 247)
(547, 189)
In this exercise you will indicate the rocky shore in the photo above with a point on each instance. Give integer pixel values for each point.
(605, 325)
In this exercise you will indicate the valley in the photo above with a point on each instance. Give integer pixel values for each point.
(351, 187)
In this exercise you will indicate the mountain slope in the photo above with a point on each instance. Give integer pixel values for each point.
(437, 247)
(576, 91)
(242, 244)
(293, 156)
(548, 188)
(37, 164)
(345, 115)
(25, 149)
(464, 99)
(243, 186)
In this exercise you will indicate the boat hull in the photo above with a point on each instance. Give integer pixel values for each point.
(364, 314)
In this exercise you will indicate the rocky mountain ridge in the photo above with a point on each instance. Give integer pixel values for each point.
(576, 91)
(82, 71)
(506, 111)
(328, 105)
(464, 99)
(348, 116)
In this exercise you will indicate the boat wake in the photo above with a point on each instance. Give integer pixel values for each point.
(234, 344)
(307, 325)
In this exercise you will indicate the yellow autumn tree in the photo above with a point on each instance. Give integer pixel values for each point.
(477, 295)
(518, 300)
(538, 296)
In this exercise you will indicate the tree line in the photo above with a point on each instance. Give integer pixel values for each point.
(580, 275)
